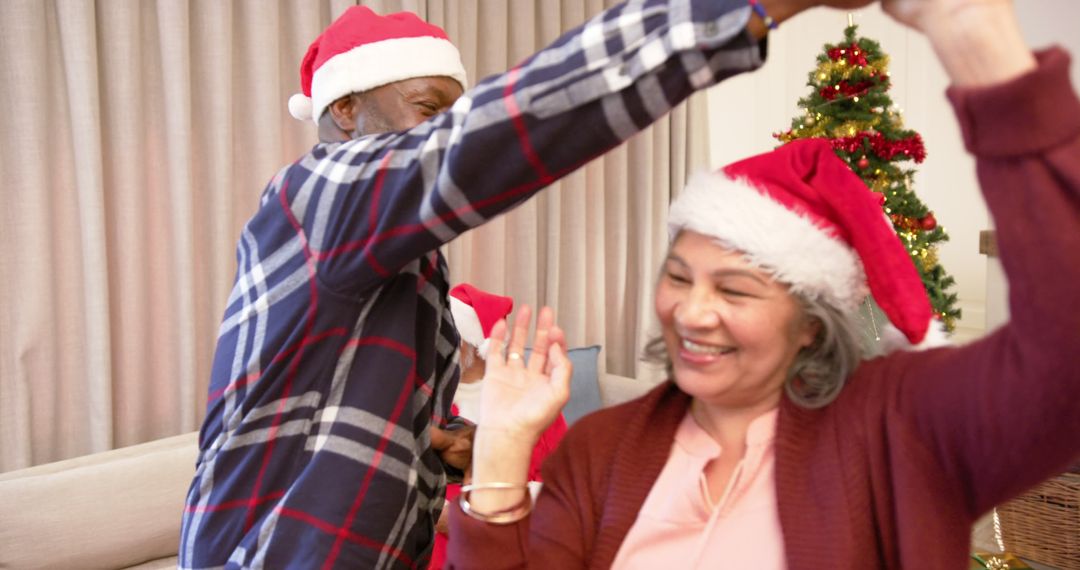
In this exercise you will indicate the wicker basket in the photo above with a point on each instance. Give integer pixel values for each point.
(1044, 524)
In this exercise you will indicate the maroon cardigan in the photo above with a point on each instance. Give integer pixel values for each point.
(918, 445)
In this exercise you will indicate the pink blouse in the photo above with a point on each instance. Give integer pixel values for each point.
(680, 526)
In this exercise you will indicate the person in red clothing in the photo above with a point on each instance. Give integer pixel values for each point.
(475, 313)
(777, 442)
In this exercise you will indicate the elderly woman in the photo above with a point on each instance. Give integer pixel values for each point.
(775, 445)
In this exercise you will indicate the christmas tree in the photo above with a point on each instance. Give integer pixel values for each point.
(850, 105)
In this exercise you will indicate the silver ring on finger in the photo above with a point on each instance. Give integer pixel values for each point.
(513, 356)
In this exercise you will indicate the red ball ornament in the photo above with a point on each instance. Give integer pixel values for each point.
(928, 223)
(864, 163)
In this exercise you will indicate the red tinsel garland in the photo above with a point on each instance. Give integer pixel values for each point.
(854, 54)
(851, 89)
(912, 147)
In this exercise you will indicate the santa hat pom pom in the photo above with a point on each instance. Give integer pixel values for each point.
(300, 107)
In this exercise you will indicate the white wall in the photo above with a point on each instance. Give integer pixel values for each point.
(746, 111)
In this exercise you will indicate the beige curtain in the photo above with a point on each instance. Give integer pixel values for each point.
(138, 136)
(589, 246)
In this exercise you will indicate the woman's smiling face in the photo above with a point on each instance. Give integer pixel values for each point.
(732, 332)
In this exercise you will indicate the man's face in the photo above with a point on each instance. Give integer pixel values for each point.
(402, 105)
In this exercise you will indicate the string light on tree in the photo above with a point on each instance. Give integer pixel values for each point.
(849, 104)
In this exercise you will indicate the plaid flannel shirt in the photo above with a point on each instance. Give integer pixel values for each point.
(337, 349)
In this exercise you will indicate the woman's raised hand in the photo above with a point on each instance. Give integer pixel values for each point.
(520, 399)
(924, 15)
(979, 42)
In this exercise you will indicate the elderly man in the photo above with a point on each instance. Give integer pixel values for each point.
(336, 359)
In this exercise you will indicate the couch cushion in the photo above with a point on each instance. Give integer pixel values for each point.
(616, 389)
(104, 456)
(584, 383)
(106, 510)
(168, 563)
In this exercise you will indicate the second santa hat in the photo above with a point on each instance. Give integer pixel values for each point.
(476, 312)
(800, 213)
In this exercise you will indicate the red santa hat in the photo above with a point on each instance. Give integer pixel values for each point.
(362, 50)
(800, 213)
(476, 312)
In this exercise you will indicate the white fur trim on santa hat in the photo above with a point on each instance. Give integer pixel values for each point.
(793, 248)
(371, 65)
(467, 322)
(891, 339)
(483, 348)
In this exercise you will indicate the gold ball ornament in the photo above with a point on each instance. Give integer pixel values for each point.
(950, 323)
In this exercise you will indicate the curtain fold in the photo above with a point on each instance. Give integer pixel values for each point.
(139, 136)
(590, 245)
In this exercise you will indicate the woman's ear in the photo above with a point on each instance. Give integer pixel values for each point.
(810, 329)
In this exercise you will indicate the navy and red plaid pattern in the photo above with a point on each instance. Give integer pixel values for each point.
(337, 349)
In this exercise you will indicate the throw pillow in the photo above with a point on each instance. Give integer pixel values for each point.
(584, 383)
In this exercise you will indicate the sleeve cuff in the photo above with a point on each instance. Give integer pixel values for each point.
(1026, 115)
(476, 544)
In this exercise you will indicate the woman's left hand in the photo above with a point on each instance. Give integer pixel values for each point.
(520, 399)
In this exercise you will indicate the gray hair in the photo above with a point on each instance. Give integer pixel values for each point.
(820, 370)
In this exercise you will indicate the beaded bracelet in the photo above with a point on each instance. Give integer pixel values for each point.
(760, 11)
(504, 516)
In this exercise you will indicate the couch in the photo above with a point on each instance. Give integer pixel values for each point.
(121, 508)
